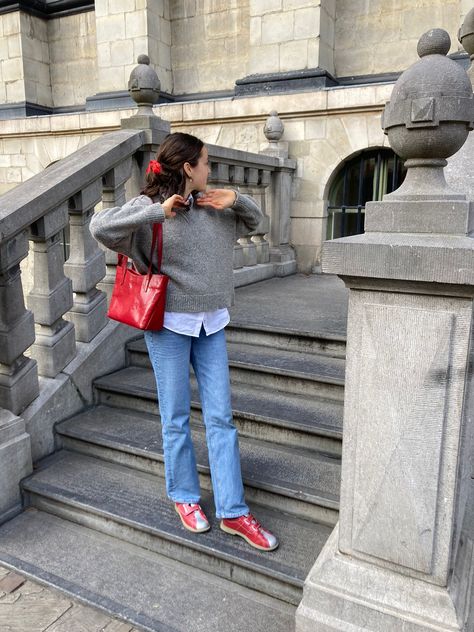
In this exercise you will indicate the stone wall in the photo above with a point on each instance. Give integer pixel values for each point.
(200, 46)
(36, 60)
(290, 35)
(210, 44)
(126, 29)
(73, 58)
(375, 36)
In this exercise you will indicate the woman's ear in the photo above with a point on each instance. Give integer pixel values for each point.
(187, 169)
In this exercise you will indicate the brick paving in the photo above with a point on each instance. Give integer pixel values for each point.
(26, 606)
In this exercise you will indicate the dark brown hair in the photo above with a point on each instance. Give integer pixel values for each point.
(174, 151)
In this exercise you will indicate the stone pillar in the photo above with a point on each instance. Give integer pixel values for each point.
(293, 40)
(278, 199)
(124, 31)
(408, 434)
(26, 81)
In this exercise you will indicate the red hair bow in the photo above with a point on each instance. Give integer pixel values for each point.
(154, 166)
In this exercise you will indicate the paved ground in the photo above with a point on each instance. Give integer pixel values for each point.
(28, 607)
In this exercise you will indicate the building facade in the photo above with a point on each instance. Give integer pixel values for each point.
(327, 67)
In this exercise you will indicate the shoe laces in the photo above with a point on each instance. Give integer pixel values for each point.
(253, 522)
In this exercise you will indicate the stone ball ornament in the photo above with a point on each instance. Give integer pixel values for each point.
(144, 84)
(431, 109)
(274, 127)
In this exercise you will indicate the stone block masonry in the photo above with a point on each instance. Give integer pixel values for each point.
(210, 45)
(395, 27)
(288, 35)
(126, 29)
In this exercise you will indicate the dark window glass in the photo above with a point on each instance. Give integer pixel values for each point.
(365, 178)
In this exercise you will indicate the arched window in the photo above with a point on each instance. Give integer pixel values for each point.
(365, 178)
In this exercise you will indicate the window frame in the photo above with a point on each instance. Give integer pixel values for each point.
(382, 156)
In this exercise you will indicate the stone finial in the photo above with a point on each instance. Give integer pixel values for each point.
(429, 115)
(144, 85)
(466, 38)
(434, 42)
(274, 127)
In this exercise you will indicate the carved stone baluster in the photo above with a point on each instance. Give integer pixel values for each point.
(219, 173)
(261, 244)
(18, 374)
(51, 296)
(85, 266)
(249, 248)
(237, 178)
(113, 194)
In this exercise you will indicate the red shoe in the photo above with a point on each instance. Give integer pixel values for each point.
(251, 530)
(192, 516)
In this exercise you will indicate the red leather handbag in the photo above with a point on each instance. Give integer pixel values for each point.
(138, 299)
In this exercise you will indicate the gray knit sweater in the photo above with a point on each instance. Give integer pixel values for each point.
(198, 246)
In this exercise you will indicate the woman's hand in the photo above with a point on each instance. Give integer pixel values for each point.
(217, 198)
(172, 202)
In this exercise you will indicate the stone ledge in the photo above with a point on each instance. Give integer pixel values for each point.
(251, 108)
(434, 259)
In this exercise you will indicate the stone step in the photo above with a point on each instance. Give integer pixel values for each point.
(286, 338)
(298, 481)
(133, 505)
(150, 591)
(259, 413)
(313, 375)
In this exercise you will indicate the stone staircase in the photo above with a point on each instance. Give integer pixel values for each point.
(103, 492)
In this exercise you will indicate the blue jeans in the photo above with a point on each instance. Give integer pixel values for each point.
(170, 354)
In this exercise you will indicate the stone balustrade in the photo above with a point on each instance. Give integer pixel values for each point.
(64, 305)
(257, 254)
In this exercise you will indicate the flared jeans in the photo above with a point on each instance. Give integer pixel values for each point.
(171, 355)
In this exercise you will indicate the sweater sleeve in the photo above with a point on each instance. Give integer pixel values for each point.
(114, 227)
(248, 214)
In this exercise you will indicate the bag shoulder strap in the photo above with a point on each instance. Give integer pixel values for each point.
(156, 244)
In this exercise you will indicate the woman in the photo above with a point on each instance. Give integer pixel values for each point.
(198, 244)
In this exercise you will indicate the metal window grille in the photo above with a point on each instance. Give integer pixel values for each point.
(367, 177)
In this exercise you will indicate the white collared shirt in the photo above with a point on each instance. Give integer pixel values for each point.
(190, 323)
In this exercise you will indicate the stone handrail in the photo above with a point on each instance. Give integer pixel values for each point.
(68, 300)
(28, 202)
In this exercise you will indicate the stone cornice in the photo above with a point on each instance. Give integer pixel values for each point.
(340, 101)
